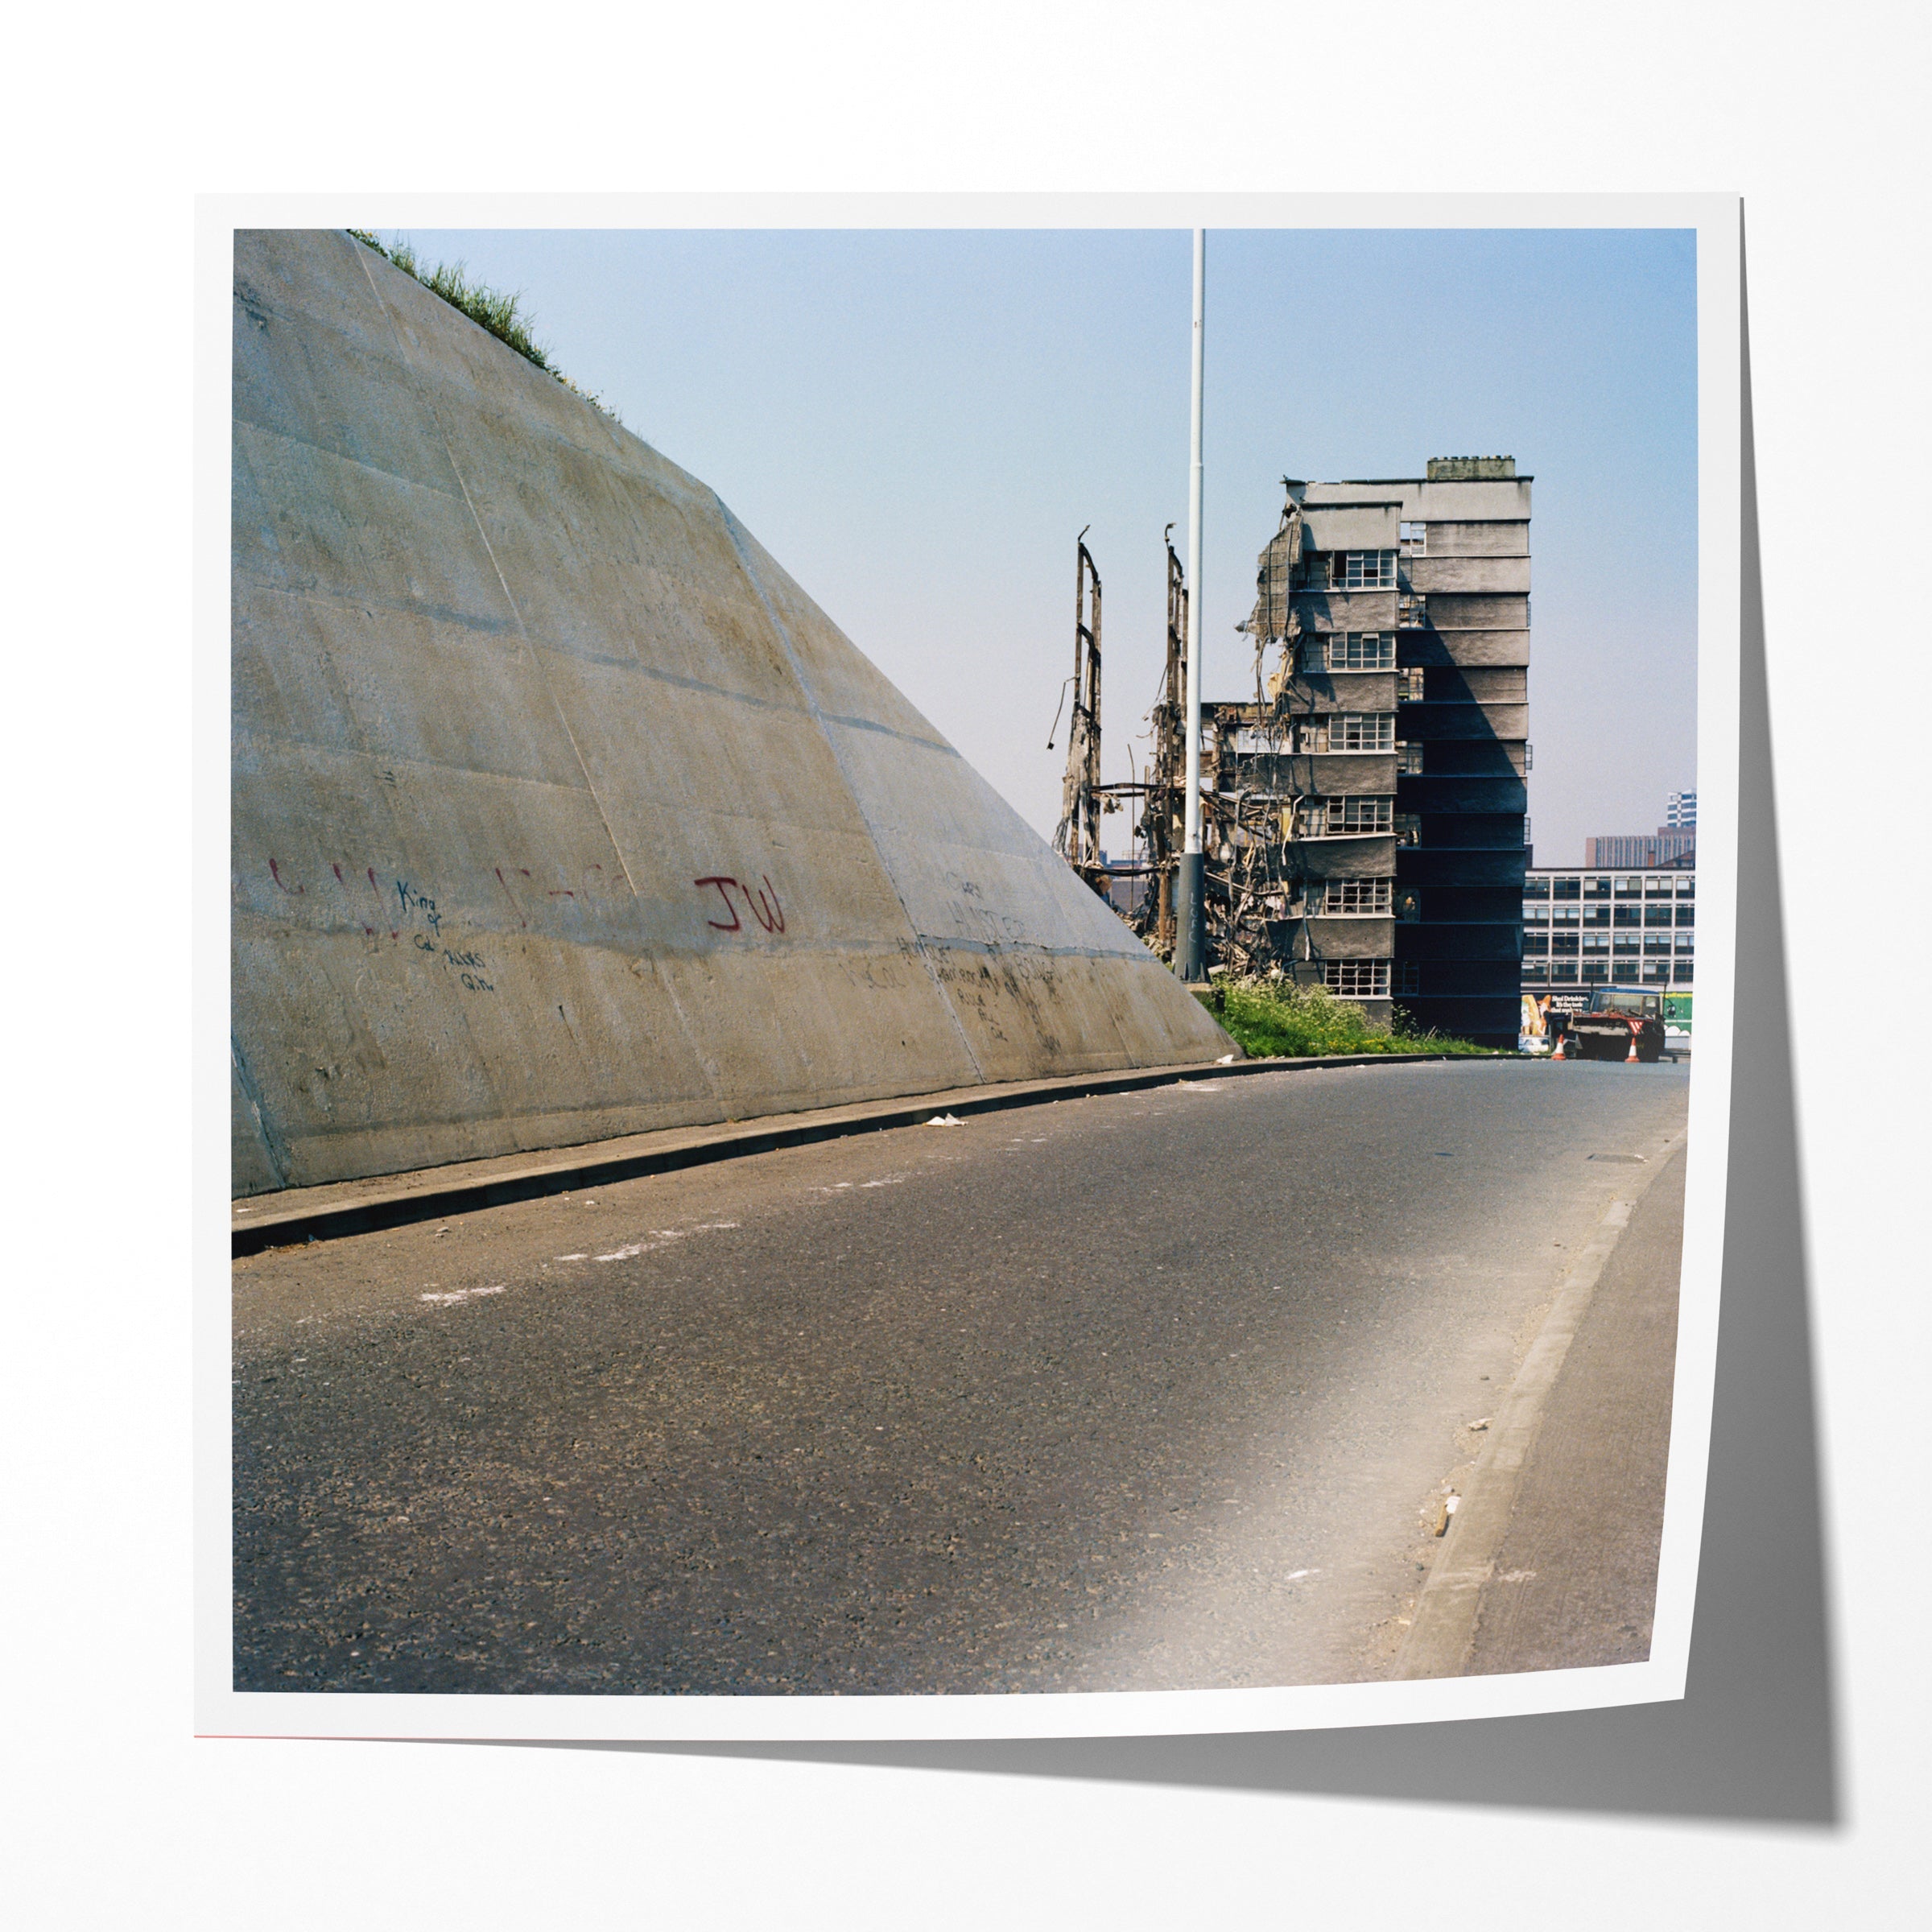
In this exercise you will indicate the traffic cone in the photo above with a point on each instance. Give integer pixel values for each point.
(1560, 1038)
(1630, 1057)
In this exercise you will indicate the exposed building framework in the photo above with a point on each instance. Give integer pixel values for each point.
(1364, 810)
(1077, 837)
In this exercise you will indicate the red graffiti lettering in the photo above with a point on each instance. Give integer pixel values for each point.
(274, 873)
(509, 895)
(394, 931)
(344, 883)
(771, 918)
(721, 880)
(765, 907)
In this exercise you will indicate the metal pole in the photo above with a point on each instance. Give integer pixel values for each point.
(1190, 914)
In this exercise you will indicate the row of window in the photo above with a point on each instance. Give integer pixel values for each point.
(1354, 569)
(1349, 650)
(1651, 913)
(1324, 731)
(1346, 818)
(1330, 898)
(1599, 884)
(1651, 973)
(1371, 979)
(1657, 942)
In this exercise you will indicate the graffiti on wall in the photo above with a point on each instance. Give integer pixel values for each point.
(400, 907)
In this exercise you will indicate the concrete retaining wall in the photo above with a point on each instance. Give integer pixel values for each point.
(561, 811)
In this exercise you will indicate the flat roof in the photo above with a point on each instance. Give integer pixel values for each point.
(1381, 482)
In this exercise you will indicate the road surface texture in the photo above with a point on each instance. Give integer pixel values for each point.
(1144, 1391)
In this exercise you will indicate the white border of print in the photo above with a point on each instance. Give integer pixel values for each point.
(220, 1710)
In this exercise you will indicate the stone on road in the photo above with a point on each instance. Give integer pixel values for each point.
(1144, 1391)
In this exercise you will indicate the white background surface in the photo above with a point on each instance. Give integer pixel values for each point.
(118, 1815)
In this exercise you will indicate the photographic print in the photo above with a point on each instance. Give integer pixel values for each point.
(964, 973)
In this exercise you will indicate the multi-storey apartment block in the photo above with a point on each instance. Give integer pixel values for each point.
(1370, 801)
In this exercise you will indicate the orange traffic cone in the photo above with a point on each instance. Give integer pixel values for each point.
(1629, 1059)
(1560, 1039)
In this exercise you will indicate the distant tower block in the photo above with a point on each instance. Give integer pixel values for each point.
(561, 811)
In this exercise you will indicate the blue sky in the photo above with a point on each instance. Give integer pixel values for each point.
(918, 423)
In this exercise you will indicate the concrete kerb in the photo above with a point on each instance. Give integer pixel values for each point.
(322, 1214)
(1440, 1639)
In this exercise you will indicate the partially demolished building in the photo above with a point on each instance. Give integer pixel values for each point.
(1364, 809)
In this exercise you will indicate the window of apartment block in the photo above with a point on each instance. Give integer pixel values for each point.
(1681, 973)
(1596, 915)
(1359, 731)
(1411, 688)
(1334, 898)
(1566, 889)
(1408, 829)
(1361, 569)
(1686, 886)
(1564, 942)
(1406, 978)
(1351, 650)
(1408, 761)
(1596, 969)
(1628, 942)
(1562, 971)
(1566, 915)
(1629, 915)
(1415, 539)
(1536, 889)
(1657, 915)
(1629, 889)
(1356, 979)
(1344, 818)
(1657, 942)
(1687, 944)
(1656, 973)
(1657, 888)
(1537, 969)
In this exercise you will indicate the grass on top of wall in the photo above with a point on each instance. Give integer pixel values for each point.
(490, 308)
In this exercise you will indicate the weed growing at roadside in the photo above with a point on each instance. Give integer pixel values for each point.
(1276, 1019)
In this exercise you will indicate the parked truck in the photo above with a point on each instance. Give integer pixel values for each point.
(1616, 1017)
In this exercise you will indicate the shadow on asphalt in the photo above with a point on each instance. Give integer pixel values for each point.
(1755, 1738)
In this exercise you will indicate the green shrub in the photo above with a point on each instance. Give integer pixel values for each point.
(488, 308)
(1274, 1019)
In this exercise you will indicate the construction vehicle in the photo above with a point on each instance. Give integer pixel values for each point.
(1619, 1021)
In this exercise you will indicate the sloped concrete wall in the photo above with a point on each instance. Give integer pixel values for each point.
(561, 811)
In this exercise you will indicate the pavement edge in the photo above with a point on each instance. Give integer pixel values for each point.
(1440, 1639)
(579, 1167)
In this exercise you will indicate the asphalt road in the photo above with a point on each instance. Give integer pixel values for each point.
(1148, 1391)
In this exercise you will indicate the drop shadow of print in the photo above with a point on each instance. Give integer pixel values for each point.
(1755, 1737)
